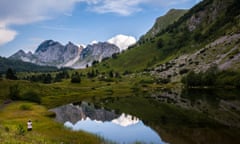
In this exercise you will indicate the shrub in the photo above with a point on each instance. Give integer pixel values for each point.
(160, 43)
(163, 80)
(50, 114)
(31, 96)
(14, 92)
(75, 78)
(25, 107)
(10, 74)
(183, 71)
(6, 129)
(47, 79)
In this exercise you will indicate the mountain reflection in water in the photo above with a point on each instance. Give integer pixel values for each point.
(122, 128)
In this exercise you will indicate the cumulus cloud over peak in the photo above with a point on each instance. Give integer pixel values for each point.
(122, 41)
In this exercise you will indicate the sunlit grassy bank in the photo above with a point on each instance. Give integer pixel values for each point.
(13, 129)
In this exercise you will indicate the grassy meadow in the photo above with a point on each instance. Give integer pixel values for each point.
(91, 89)
(13, 126)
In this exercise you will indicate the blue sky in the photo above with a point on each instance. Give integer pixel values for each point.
(24, 24)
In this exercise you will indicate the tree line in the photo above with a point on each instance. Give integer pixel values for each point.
(46, 78)
(75, 77)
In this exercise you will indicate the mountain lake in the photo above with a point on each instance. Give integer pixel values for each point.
(162, 116)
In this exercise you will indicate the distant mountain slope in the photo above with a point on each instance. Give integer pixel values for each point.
(206, 23)
(21, 66)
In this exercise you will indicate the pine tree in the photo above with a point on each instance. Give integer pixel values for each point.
(10, 74)
(76, 78)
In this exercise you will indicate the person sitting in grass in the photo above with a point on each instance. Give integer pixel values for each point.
(29, 125)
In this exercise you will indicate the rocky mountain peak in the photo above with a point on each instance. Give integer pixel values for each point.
(45, 45)
(21, 52)
(29, 53)
(53, 53)
(95, 52)
(100, 49)
(69, 44)
(21, 55)
(18, 54)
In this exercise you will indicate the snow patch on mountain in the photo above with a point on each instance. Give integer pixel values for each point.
(94, 42)
(82, 45)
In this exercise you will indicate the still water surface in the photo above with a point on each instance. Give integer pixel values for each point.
(203, 116)
(121, 128)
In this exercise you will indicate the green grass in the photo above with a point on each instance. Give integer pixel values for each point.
(132, 60)
(164, 21)
(64, 92)
(45, 129)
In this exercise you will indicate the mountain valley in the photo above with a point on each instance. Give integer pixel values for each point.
(181, 79)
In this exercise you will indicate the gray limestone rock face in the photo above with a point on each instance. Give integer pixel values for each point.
(55, 54)
(52, 53)
(96, 52)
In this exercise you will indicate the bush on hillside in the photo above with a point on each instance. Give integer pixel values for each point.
(61, 75)
(14, 92)
(75, 78)
(31, 96)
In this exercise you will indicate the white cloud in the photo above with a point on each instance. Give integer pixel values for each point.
(27, 11)
(122, 7)
(6, 35)
(122, 41)
(127, 7)
(14, 12)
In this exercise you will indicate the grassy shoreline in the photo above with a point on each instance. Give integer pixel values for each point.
(13, 119)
